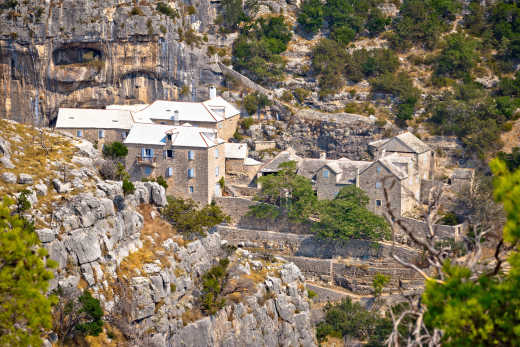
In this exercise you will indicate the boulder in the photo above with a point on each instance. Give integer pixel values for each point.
(84, 245)
(290, 273)
(284, 308)
(61, 187)
(46, 235)
(6, 163)
(5, 147)
(25, 179)
(41, 189)
(9, 177)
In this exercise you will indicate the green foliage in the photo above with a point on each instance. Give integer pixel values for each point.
(348, 318)
(115, 150)
(91, 322)
(24, 281)
(212, 283)
(167, 10)
(128, 187)
(482, 310)
(311, 16)
(256, 52)
(255, 102)
(379, 282)
(136, 11)
(347, 217)
(457, 57)
(328, 63)
(121, 172)
(186, 217)
(477, 122)
(311, 294)
(449, 218)
(232, 14)
(422, 21)
(22, 203)
(512, 160)
(301, 94)
(285, 193)
(364, 64)
(246, 123)
(222, 183)
(401, 86)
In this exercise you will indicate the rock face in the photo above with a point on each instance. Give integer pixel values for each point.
(79, 53)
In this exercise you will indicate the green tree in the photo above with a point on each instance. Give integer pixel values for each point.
(115, 150)
(285, 193)
(91, 315)
(186, 216)
(128, 187)
(24, 281)
(350, 318)
(232, 14)
(347, 217)
(311, 16)
(481, 309)
(457, 57)
(379, 282)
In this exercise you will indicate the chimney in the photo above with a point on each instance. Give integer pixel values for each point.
(212, 92)
(176, 117)
(323, 155)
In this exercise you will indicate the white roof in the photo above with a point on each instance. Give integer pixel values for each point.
(132, 108)
(93, 118)
(251, 162)
(219, 102)
(236, 150)
(211, 111)
(182, 136)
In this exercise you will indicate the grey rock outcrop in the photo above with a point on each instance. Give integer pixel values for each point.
(25, 179)
(9, 177)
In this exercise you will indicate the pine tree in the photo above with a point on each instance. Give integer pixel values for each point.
(24, 279)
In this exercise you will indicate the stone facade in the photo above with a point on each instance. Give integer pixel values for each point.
(95, 136)
(203, 187)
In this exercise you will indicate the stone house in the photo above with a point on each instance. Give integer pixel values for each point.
(191, 159)
(462, 179)
(215, 113)
(240, 169)
(408, 145)
(402, 165)
(96, 125)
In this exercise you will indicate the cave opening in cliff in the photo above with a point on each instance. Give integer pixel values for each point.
(76, 55)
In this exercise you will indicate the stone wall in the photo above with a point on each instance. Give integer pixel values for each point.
(441, 231)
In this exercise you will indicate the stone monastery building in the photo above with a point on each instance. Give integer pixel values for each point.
(185, 142)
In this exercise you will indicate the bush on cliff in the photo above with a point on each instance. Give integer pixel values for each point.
(186, 216)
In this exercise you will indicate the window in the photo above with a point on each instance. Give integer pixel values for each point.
(191, 155)
(216, 153)
(147, 170)
(220, 125)
(148, 152)
(169, 137)
(79, 133)
(191, 173)
(169, 153)
(378, 169)
(325, 173)
(124, 134)
(217, 171)
(169, 172)
(378, 203)
(191, 190)
(379, 185)
(101, 134)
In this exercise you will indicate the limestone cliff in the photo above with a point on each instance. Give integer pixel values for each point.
(81, 53)
(148, 278)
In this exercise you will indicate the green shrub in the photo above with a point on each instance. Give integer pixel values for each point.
(167, 10)
(379, 282)
(287, 96)
(91, 322)
(136, 11)
(163, 29)
(311, 294)
(186, 216)
(348, 318)
(301, 94)
(115, 150)
(458, 56)
(256, 52)
(449, 218)
(311, 16)
(23, 204)
(128, 187)
(212, 284)
(255, 102)
(162, 182)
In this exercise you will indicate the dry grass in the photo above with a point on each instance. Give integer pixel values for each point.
(155, 231)
(191, 316)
